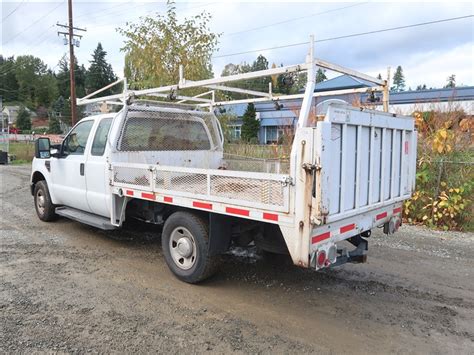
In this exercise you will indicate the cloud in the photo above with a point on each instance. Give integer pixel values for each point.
(426, 53)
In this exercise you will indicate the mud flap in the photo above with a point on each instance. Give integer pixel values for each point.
(220, 233)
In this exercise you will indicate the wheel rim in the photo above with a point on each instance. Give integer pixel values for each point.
(40, 201)
(182, 248)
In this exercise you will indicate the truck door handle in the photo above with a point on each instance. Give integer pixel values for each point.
(81, 169)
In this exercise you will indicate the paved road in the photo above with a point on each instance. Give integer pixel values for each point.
(70, 288)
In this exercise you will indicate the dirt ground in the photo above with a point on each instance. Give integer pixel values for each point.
(66, 287)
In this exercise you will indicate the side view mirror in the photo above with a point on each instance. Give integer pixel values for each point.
(43, 148)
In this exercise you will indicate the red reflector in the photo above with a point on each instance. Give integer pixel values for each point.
(347, 228)
(270, 216)
(148, 196)
(321, 237)
(129, 192)
(321, 258)
(168, 199)
(237, 211)
(207, 206)
(397, 210)
(381, 215)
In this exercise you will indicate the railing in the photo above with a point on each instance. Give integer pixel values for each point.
(250, 189)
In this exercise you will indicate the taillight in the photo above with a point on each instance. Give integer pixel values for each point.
(321, 258)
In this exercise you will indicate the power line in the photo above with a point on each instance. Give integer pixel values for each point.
(293, 19)
(13, 11)
(346, 36)
(34, 23)
(147, 12)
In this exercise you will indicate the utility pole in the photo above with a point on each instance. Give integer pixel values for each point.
(72, 41)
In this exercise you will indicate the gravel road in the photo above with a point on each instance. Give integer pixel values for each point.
(66, 287)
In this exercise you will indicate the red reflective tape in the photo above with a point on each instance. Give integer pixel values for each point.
(270, 216)
(168, 199)
(406, 147)
(237, 211)
(129, 192)
(148, 196)
(397, 210)
(321, 237)
(381, 215)
(207, 206)
(347, 228)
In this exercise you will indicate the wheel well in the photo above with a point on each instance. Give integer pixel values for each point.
(37, 176)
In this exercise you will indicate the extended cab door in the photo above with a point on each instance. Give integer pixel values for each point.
(98, 195)
(68, 171)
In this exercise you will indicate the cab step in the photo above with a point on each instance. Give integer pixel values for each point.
(85, 217)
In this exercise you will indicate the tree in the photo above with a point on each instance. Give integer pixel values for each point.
(321, 75)
(157, 45)
(65, 87)
(100, 73)
(379, 76)
(250, 125)
(8, 82)
(64, 81)
(259, 84)
(36, 83)
(451, 81)
(23, 120)
(54, 127)
(398, 80)
(421, 87)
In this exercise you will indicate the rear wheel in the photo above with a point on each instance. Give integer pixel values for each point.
(43, 204)
(185, 242)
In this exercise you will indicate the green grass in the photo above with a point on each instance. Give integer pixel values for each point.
(23, 151)
(20, 162)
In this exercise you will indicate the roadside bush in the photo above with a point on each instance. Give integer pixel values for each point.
(445, 172)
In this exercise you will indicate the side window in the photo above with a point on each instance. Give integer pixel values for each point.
(100, 139)
(75, 143)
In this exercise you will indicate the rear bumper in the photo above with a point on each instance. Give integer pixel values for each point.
(324, 238)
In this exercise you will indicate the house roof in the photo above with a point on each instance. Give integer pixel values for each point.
(433, 95)
(342, 82)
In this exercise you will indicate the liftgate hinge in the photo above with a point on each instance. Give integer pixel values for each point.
(311, 167)
(287, 180)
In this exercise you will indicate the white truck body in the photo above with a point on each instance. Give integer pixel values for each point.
(349, 173)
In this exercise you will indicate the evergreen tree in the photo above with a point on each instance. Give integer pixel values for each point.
(421, 87)
(451, 81)
(8, 82)
(64, 79)
(259, 84)
(398, 80)
(54, 127)
(250, 125)
(321, 75)
(23, 121)
(100, 72)
(379, 76)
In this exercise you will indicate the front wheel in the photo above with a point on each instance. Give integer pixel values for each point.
(185, 242)
(43, 204)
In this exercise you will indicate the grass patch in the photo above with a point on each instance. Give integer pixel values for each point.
(20, 162)
(23, 151)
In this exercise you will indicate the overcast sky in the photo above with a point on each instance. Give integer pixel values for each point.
(428, 54)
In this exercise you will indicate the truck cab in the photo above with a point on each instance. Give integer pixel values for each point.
(75, 171)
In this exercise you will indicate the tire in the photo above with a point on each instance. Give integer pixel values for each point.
(185, 242)
(43, 205)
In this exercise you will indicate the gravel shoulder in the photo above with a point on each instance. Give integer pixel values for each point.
(66, 287)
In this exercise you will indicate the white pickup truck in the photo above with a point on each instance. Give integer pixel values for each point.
(349, 173)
